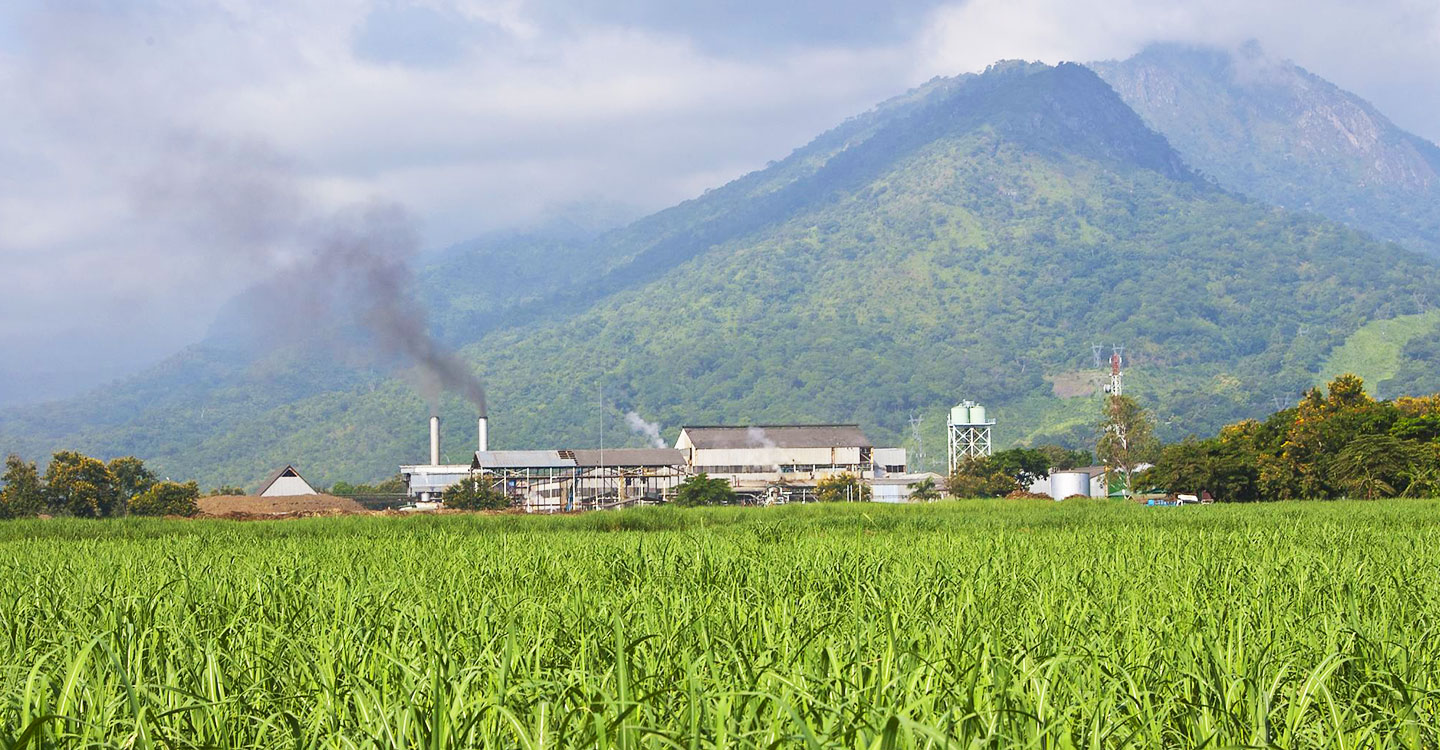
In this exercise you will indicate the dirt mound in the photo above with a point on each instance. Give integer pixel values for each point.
(249, 506)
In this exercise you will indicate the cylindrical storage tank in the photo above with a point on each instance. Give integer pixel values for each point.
(1065, 484)
(977, 414)
(960, 415)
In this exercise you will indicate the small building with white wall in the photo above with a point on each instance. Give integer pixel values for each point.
(286, 482)
(898, 488)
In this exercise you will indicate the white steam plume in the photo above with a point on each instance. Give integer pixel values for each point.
(649, 430)
(757, 437)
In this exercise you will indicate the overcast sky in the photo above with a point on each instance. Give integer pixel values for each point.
(486, 115)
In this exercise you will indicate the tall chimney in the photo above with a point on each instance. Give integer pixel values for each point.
(484, 434)
(434, 441)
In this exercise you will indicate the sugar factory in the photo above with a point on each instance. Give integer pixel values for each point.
(763, 463)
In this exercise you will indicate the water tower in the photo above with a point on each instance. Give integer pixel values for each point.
(969, 433)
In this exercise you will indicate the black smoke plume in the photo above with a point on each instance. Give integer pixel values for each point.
(320, 274)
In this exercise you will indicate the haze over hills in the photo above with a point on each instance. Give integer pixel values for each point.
(970, 239)
(1272, 130)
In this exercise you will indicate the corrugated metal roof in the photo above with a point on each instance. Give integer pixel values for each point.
(778, 435)
(568, 459)
(522, 460)
(631, 457)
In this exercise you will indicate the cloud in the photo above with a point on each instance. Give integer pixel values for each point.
(1386, 51)
(482, 114)
(506, 121)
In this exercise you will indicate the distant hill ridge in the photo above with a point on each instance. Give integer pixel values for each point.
(1272, 130)
(969, 239)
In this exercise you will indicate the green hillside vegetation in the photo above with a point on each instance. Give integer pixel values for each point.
(966, 240)
(1274, 131)
(1378, 349)
(1417, 372)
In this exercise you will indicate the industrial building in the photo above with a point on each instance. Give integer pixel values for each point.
(564, 480)
(425, 482)
(553, 480)
(785, 462)
(764, 463)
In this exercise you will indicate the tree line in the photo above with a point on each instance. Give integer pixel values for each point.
(77, 485)
(1336, 442)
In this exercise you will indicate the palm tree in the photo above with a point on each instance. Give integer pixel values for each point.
(924, 491)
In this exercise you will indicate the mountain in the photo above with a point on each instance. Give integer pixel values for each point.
(1278, 133)
(969, 239)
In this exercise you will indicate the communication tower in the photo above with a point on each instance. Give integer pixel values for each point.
(969, 433)
(1116, 386)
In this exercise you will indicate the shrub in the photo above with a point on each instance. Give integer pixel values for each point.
(471, 493)
(703, 490)
(167, 499)
(839, 488)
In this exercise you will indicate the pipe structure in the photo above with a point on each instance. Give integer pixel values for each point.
(434, 441)
(484, 434)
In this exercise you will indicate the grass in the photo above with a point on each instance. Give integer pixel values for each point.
(960, 624)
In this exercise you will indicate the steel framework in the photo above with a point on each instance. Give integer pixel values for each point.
(968, 440)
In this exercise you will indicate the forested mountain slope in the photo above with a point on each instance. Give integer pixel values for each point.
(1276, 132)
(970, 239)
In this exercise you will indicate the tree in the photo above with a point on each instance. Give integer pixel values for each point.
(23, 494)
(701, 489)
(1373, 466)
(1194, 466)
(131, 478)
(980, 477)
(1127, 436)
(81, 486)
(472, 493)
(1321, 428)
(225, 490)
(1424, 476)
(1023, 465)
(167, 499)
(925, 491)
(843, 487)
(1062, 459)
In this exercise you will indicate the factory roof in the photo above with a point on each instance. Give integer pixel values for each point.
(631, 457)
(567, 459)
(777, 436)
(521, 460)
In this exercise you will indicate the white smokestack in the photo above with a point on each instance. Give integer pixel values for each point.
(434, 441)
(484, 434)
